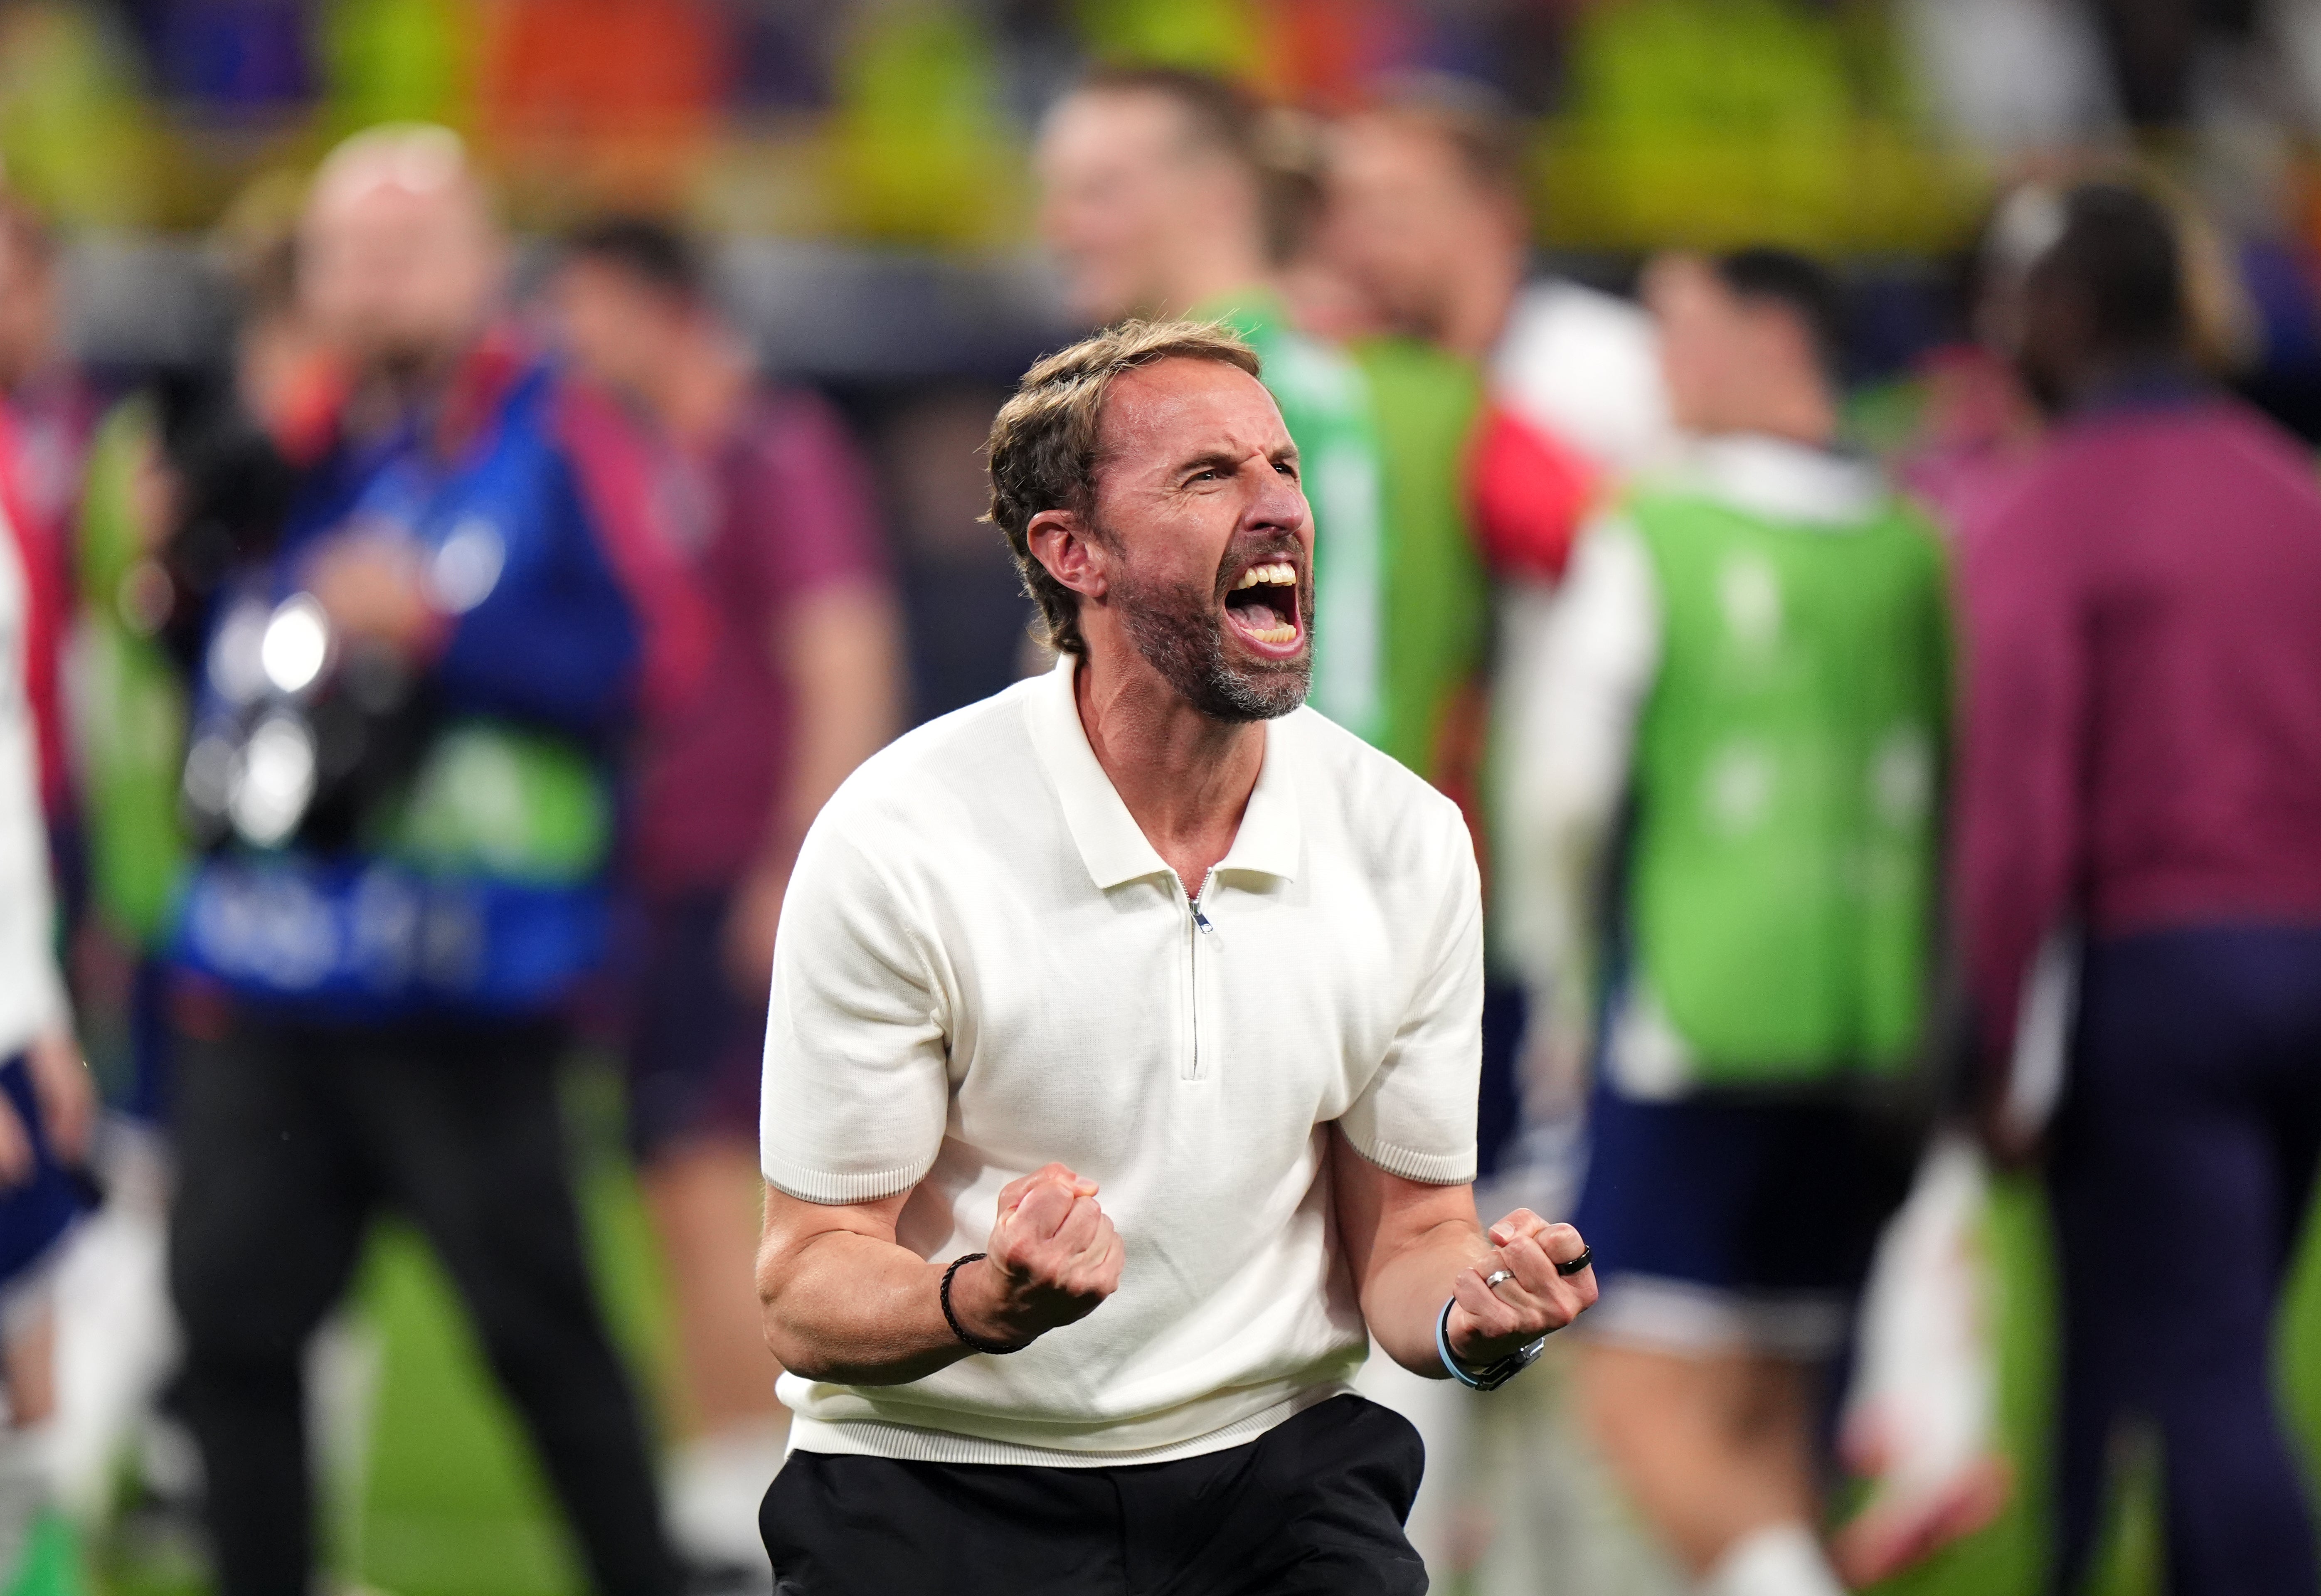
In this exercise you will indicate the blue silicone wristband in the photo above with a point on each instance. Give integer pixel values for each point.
(1491, 1376)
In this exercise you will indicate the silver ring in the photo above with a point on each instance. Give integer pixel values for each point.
(1491, 1280)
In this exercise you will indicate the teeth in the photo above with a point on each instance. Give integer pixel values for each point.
(1281, 573)
(1279, 632)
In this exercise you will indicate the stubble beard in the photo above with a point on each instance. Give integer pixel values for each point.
(1180, 632)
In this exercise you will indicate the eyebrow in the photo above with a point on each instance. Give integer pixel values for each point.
(1218, 457)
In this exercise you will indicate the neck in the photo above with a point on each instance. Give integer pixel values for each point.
(1474, 313)
(697, 391)
(1185, 776)
(1801, 415)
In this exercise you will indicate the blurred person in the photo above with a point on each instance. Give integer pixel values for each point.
(188, 477)
(805, 683)
(1429, 213)
(1976, 421)
(47, 1131)
(48, 413)
(1145, 914)
(2141, 778)
(1980, 421)
(1161, 196)
(48, 1103)
(398, 777)
(1748, 661)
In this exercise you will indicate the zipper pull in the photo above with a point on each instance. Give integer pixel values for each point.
(1201, 919)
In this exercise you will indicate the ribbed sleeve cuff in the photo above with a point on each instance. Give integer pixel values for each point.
(1431, 1169)
(834, 1187)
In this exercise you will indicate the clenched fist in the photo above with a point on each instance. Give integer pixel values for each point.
(1053, 1255)
(1490, 1322)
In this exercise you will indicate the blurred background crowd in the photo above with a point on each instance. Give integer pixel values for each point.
(481, 472)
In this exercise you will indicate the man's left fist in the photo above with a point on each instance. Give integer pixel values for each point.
(1490, 1322)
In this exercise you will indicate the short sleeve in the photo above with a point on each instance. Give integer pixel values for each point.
(1416, 1118)
(856, 1088)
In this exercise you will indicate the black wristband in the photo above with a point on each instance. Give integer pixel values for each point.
(951, 1318)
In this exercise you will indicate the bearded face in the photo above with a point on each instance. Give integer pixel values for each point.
(1240, 648)
(1194, 555)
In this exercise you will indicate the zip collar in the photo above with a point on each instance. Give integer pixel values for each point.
(1111, 844)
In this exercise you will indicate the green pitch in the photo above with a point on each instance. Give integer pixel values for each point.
(452, 1504)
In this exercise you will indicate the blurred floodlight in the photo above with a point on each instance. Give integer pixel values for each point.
(297, 642)
(276, 781)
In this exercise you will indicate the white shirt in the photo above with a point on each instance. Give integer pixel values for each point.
(1567, 768)
(983, 966)
(31, 997)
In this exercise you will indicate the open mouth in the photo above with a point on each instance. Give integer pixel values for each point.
(1262, 607)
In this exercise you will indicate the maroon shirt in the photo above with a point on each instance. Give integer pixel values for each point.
(782, 509)
(2143, 733)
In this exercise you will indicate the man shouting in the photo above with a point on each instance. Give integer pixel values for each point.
(1120, 1077)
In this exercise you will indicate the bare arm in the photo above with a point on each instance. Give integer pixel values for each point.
(842, 1301)
(839, 648)
(1410, 1245)
(1571, 742)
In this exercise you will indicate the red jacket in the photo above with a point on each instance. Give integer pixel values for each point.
(47, 598)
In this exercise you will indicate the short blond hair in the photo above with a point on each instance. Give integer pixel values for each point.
(1044, 444)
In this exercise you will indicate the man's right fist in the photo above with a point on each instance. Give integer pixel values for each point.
(1053, 1255)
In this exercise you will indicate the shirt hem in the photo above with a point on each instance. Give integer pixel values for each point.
(2190, 905)
(1429, 1169)
(906, 1443)
(831, 1190)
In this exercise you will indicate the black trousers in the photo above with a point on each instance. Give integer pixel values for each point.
(1315, 1507)
(290, 1139)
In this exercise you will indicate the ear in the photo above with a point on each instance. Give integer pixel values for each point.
(1068, 547)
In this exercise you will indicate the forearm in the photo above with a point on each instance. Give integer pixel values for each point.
(842, 1302)
(1569, 768)
(1411, 1247)
(854, 1310)
(1403, 1299)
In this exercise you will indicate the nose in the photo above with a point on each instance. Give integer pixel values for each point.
(1279, 500)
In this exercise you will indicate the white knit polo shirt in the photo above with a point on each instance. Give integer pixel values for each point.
(983, 966)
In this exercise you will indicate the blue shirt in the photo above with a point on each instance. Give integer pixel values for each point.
(475, 885)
